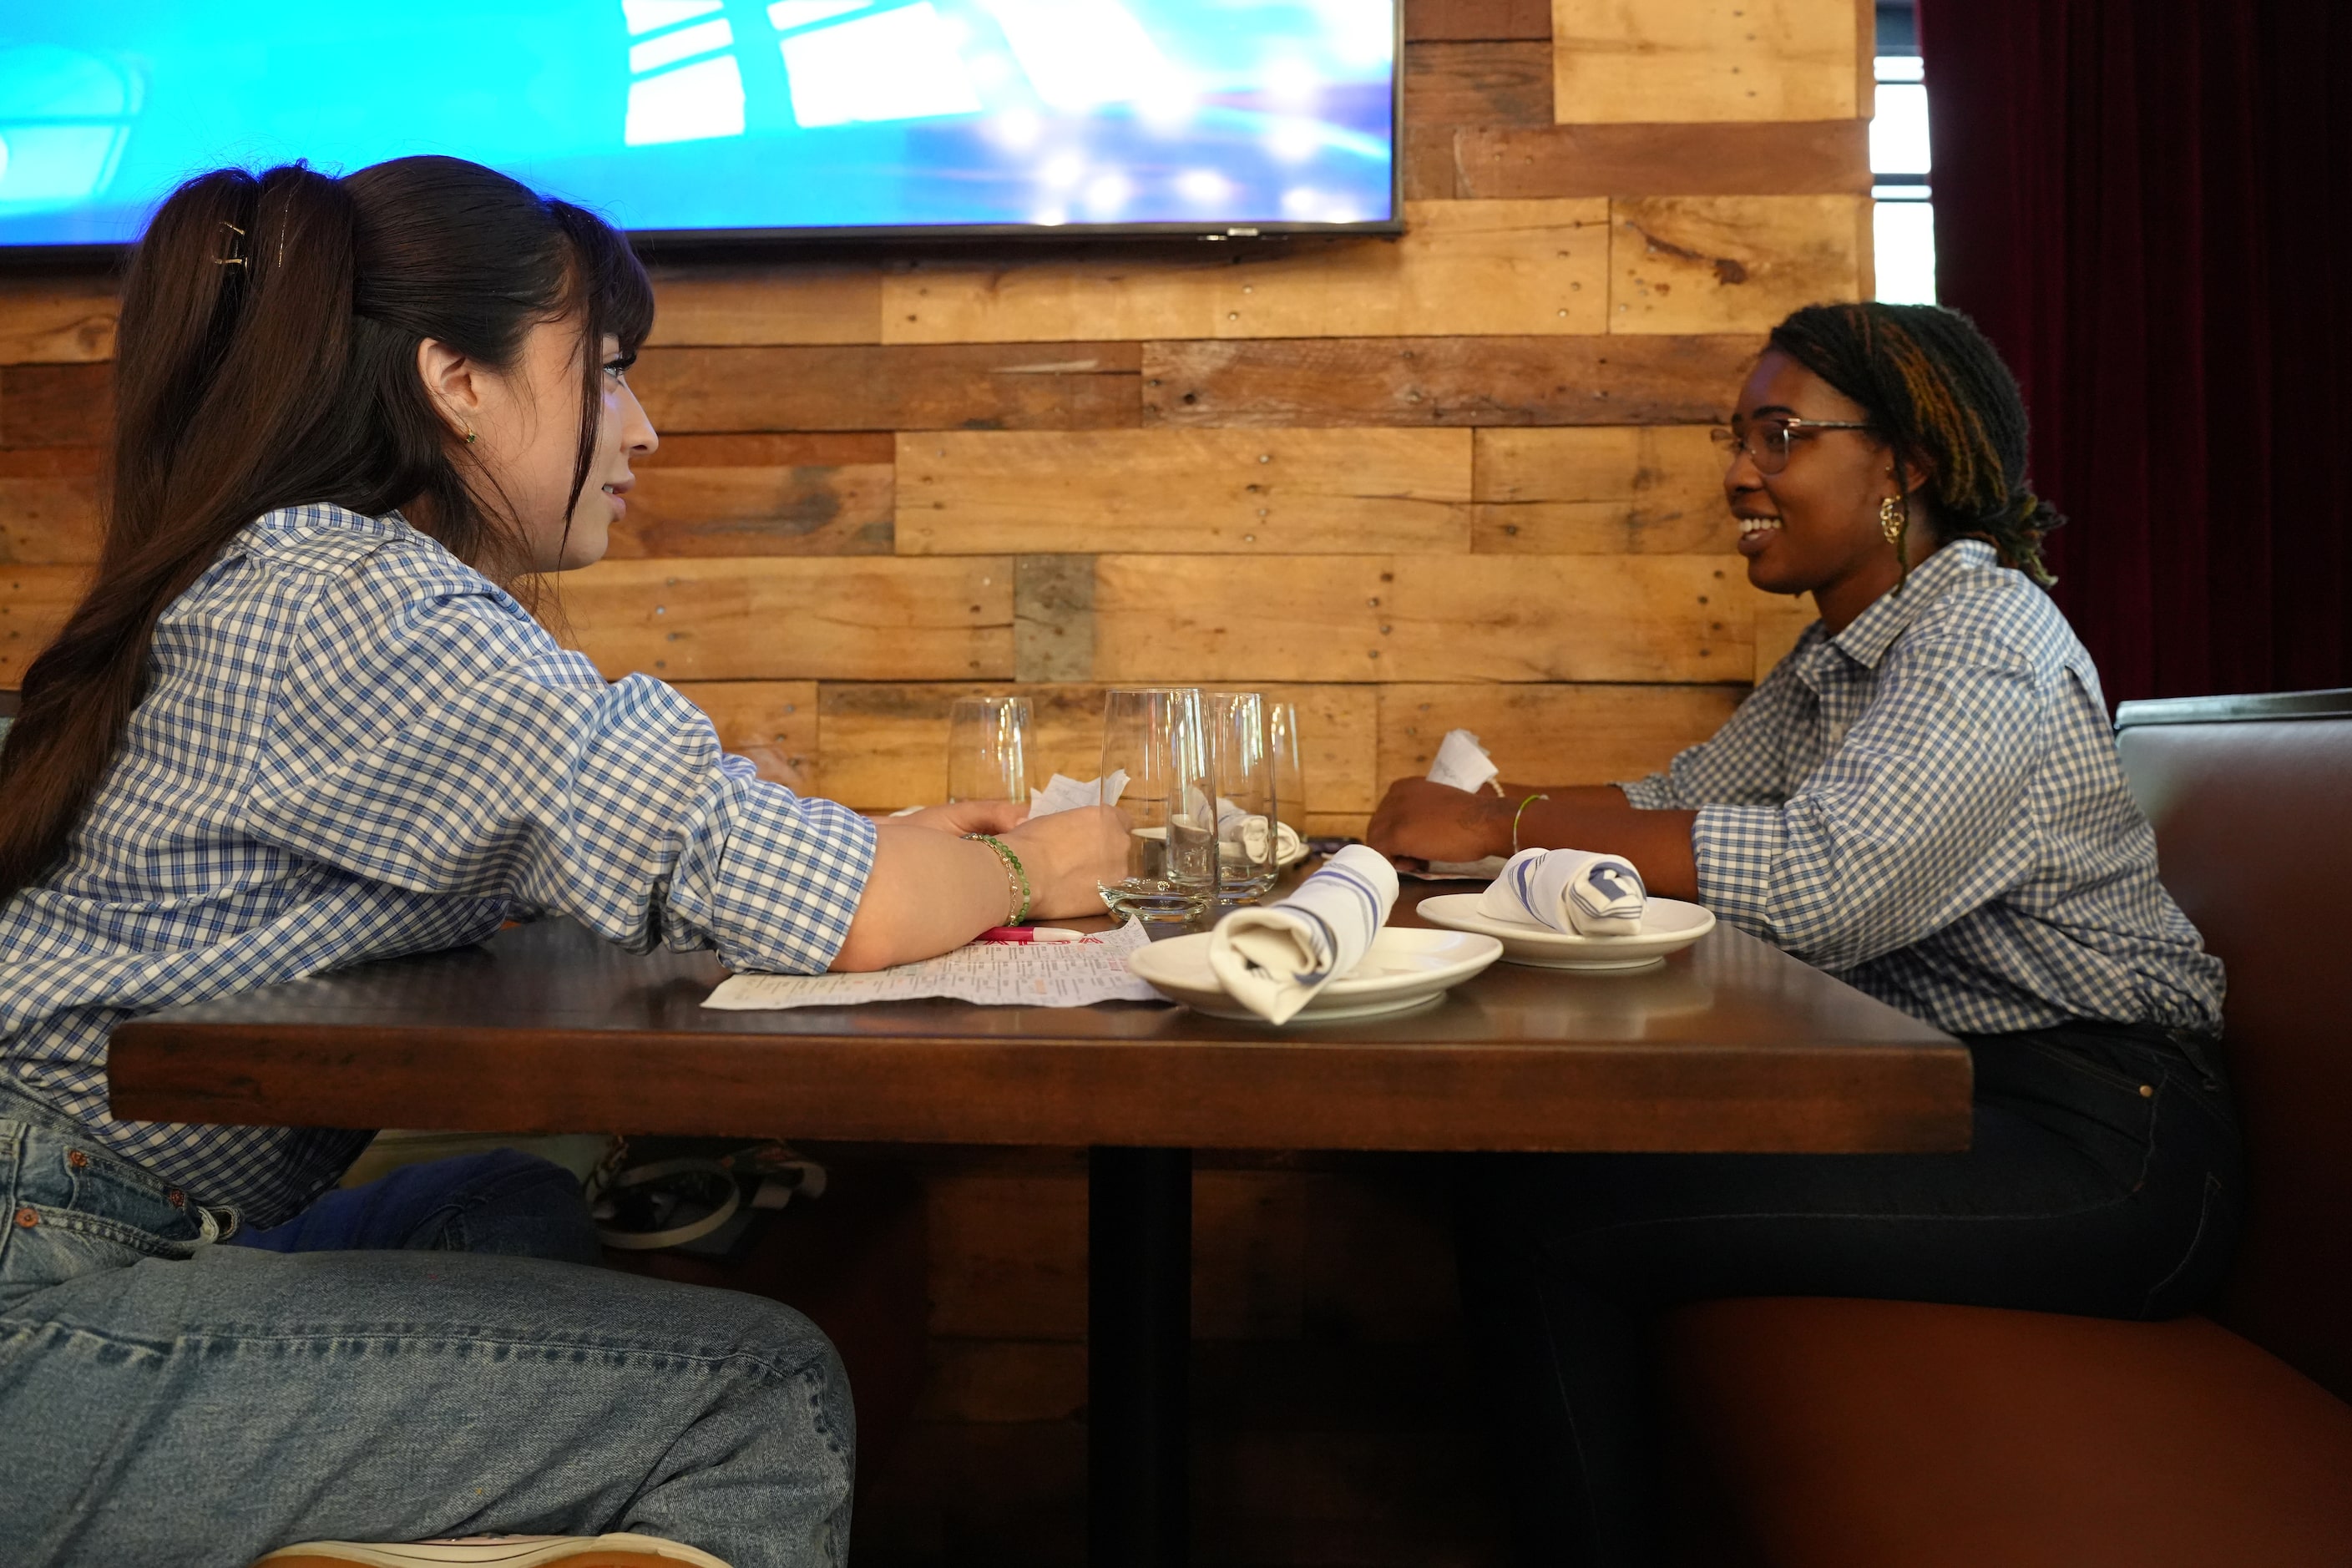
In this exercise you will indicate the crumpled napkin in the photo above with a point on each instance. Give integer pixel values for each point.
(1273, 959)
(1063, 792)
(1570, 891)
(1464, 764)
(1241, 836)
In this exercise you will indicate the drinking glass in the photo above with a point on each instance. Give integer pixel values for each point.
(1289, 778)
(1159, 737)
(1247, 839)
(988, 749)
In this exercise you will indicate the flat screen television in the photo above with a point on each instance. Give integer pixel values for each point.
(692, 121)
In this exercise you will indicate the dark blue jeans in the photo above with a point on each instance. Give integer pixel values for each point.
(505, 1202)
(2104, 1179)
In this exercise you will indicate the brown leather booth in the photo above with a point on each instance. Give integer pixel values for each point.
(1840, 1434)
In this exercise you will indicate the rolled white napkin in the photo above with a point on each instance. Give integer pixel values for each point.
(1462, 762)
(1570, 891)
(1062, 792)
(1273, 959)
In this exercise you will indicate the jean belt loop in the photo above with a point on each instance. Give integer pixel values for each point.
(219, 1224)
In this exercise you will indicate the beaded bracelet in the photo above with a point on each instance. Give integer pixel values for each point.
(1520, 813)
(1015, 874)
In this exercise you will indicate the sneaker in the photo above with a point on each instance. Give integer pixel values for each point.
(627, 1550)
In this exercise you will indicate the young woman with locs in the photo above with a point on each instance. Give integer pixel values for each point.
(303, 719)
(1924, 798)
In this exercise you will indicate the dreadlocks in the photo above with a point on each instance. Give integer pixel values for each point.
(1937, 393)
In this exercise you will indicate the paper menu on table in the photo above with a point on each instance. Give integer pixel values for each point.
(998, 975)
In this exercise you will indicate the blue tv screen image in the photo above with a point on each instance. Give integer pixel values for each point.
(680, 118)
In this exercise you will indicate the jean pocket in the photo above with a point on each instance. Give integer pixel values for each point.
(48, 1247)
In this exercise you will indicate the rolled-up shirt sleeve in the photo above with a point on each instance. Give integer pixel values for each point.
(457, 750)
(1915, 819)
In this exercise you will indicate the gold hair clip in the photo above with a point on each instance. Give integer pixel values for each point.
(232, 258)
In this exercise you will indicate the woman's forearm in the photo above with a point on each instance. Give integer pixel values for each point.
(929, 892)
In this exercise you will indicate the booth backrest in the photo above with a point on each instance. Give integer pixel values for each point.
(2251, 801)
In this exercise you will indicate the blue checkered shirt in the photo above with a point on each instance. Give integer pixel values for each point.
(1929, 805)
(353, 746)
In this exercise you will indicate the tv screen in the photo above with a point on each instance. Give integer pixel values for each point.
(701, 119)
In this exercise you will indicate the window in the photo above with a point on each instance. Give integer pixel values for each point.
(1904, 221)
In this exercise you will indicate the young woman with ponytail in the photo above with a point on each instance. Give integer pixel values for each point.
(1924, 798)
(303, 718)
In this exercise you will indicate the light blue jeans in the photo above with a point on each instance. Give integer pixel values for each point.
(168, 1399)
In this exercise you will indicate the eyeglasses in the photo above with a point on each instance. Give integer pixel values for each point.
(1768, 440)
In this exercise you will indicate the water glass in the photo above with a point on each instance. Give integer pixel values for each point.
(1247, 837)
(988, 749)
(1289, 778)
(1159, 737)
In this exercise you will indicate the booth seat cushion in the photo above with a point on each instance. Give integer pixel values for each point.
(1852, 1433)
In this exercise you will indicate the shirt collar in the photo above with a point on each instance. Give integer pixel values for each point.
(1873, 632)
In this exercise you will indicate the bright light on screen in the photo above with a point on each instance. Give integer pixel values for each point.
(670, 115)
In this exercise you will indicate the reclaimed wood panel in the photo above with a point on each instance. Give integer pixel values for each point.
(1232, 491)
(1583, 734)
(1653, 60)
(49, 506)
(784, 618)
(955, 386)
(1483, 83)
(882, 746)
(1460, 268)
(34, 604)
(66, 319)
(773, 722)
(1793, 157)
(1601, 490)
(1189, 619)
(1570, 617)
(1605, 379)
(787, 302)
(1429, 19)
(761, 495)
(56, 405)
(1729, 264)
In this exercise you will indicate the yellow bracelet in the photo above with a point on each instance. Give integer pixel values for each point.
(1520, 813)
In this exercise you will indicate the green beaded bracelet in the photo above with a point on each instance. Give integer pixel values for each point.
(1014, 872)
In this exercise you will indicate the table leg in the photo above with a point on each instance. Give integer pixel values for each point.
(1139, 1353)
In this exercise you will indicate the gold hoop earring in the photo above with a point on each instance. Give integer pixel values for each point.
(1894, 516)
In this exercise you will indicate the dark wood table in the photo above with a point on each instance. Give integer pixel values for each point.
(1730, 1046)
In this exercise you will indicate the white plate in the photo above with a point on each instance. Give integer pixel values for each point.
(1406, 968)
(1668, 925)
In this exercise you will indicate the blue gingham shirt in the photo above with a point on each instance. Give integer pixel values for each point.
(353, 746)
(1929, 805)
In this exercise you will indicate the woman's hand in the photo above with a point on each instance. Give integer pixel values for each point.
(964, 816)
(1419, 820)
(1070, 856)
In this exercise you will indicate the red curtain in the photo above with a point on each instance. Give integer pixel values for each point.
(2140, 202)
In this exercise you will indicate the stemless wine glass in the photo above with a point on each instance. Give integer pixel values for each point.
(1159, 738)
(988, 749)
(1289, 778)
(1248, 836)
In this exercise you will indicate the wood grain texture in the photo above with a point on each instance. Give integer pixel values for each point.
(1601, 490)
(1427, 19)
(1189, 619)
(1650, 60)
(1774, 158)
(56, 405)
(1234, 492)
(1730, 264)
(982, 386)
(782, 302)
(34, 604)
(1052, 618)
(49, 506)
(1459, 268)
(761, 495)
(885, 745)
(1570, 617)
(66, 319)
(1629, 380)
(1552, 734)
(1478, 84)
(773, 722)
(1018, 1243)
(771, 618)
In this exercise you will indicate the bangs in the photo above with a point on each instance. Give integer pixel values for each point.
(607, 284)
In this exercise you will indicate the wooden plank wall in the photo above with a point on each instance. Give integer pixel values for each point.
(1456, 478)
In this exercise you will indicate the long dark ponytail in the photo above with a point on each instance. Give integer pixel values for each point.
(267, 357)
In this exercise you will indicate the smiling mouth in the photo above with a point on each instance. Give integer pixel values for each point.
(1753, 525)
